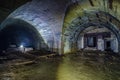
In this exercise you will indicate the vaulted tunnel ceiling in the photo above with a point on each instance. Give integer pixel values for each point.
(56, 20)
(85, 13)
(8, 6)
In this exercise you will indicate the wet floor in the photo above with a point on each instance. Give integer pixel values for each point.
(80, 66)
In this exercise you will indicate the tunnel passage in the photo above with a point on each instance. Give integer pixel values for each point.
(93, 18)
(83, 14)
(97, 38)
(20, 33)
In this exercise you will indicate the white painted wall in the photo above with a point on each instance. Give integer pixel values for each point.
(114, 45)
(100, 44)
(81, 42)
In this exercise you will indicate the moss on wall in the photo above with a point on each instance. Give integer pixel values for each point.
(78, 9)
(84, 8)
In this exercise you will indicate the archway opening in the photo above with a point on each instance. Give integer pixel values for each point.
(16, 36)
(80, 24)
(97, 38)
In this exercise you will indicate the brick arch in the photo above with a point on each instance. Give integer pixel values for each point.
(80, 13)
(73, 40)
(46, 16)
(11, 22)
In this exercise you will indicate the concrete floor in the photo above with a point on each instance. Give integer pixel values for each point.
(78, 66)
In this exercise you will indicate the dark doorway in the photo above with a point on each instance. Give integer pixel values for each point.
(91, 41)
(108, 46)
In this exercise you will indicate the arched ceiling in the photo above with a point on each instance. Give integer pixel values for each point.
(82, 7)
(85, 13)
(8, 6)
(53, 17)
(45, 15)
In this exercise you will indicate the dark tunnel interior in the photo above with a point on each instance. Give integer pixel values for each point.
(17, 35)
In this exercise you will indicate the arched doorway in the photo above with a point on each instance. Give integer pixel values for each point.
(19, 33)
(97, 38)
(93, 18)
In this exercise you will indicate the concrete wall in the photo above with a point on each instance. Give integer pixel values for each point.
(114, 43)
(80, 42)
(100, 44)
